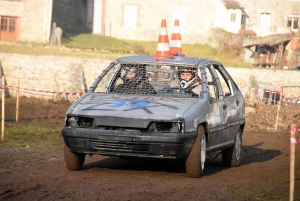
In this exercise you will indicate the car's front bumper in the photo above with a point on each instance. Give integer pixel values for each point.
(129, 144)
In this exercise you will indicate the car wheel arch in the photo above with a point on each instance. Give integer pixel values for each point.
(206, 130)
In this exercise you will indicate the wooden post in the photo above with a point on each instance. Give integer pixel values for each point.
(278, 110)
(281, 55)
(274, 62)
(3, 109)
(292, 161)
(270, 96)
(18, 103)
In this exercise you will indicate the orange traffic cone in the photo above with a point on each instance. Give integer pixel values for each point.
(163, 46)
(175, 45)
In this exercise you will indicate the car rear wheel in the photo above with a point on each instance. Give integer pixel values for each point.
(231, 157)
(195, 162)
(73, 161)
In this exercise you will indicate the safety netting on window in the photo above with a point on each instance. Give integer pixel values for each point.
(152, 80)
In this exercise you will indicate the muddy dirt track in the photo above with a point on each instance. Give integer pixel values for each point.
(39, 174)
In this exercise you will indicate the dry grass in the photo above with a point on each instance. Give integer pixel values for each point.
(89, 45)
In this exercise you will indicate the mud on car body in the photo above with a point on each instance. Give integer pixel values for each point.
(157, 114)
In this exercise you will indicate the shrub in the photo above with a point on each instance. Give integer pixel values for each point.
(138, 49)
(229, 44)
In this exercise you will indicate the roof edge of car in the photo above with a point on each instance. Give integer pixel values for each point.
(175, 60)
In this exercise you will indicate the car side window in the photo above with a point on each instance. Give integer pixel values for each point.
(218, 81)
(225, 83)
(110, 78)
(212, 90)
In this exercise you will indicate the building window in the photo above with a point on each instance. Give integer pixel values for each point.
(265, 19)
(130, 16)
(293, 21)
(4, 24)
(232, 17)
(12, 24)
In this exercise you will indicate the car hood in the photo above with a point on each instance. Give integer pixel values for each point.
(130, 106)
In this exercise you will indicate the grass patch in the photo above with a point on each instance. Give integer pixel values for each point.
(91, 41)
(91, 45)
(40, 49)
(31, 133)
(149, 46)
(39, 124)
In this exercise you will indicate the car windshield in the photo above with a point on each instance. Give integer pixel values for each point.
(151, 80)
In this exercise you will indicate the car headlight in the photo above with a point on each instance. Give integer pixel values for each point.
(79, 121)
(170, 127)
(72, 121)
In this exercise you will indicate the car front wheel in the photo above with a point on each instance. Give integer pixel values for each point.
(73, 161)
(195, 162)
(231, 157)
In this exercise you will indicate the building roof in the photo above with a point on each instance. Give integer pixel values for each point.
(270, 40)
(232, 4)
(247, 32)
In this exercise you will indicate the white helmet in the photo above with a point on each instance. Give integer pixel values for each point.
(184, 84)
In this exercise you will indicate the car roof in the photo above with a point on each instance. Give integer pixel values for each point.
(179, 60)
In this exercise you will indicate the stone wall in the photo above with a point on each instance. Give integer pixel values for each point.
(286, 80)
(51, 73)
(76, 74)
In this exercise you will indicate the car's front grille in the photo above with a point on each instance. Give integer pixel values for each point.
(118, 128)
(121, 147)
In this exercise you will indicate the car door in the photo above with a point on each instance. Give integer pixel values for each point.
(229, 108)
(217, 110)
(232, 102)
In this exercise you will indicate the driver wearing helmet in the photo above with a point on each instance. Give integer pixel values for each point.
(135, 81)
(187, 81)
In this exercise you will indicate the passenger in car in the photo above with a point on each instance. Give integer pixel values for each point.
(151, 76)
(189, 81)
(135, 82)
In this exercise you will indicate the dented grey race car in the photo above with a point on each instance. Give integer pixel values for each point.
(180, 108)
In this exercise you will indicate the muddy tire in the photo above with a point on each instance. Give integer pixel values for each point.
(231, 157)
(194, 164)
(73, 161)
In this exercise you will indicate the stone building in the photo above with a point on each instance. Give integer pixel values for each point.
(267, 17)
(31, 20)
(140, 20)
(25, 20)
(134, 19)
(275, 25)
